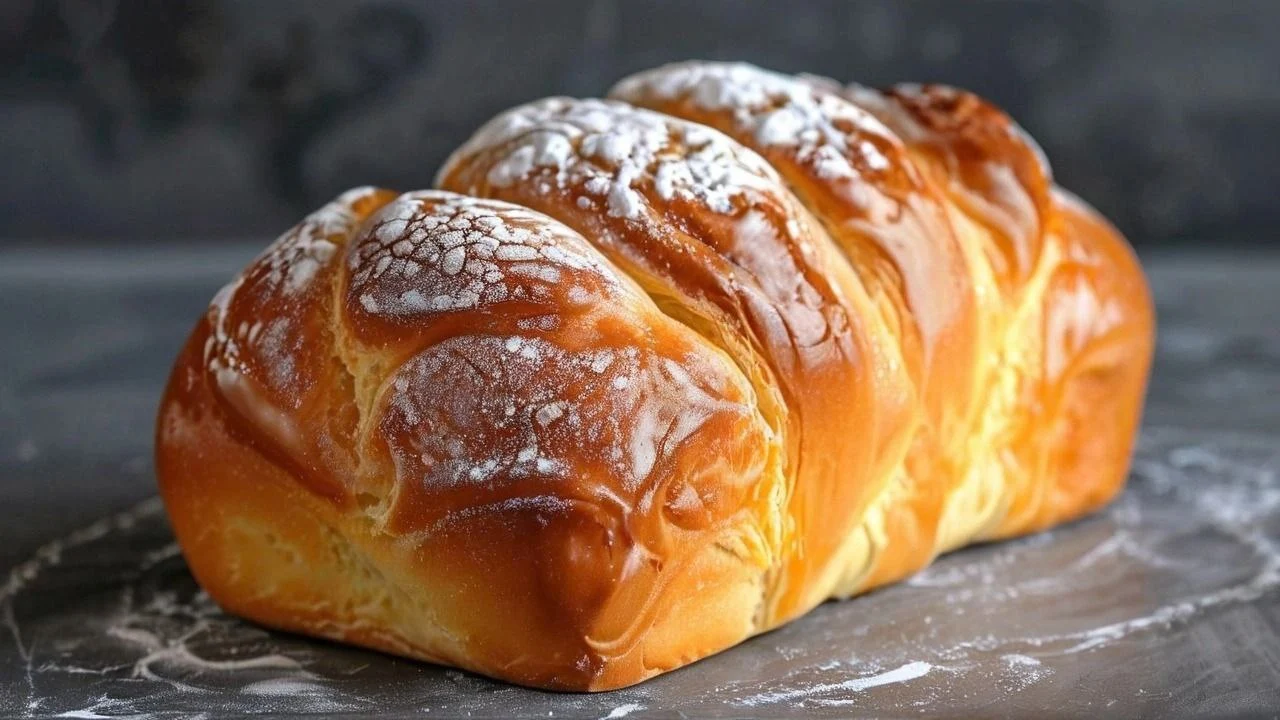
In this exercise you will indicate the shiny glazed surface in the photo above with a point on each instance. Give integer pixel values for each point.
(709, 353)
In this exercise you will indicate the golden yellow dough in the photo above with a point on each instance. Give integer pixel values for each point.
(650, 375)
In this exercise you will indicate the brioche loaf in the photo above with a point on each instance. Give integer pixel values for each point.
(649, 375)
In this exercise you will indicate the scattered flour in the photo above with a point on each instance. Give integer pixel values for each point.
(905, 673)
(614, 152)
(293, 260)
(622, 711)
(1185, 485)
(825, 131)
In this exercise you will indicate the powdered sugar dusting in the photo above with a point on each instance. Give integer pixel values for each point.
(432, 252)
(222, 348)
(279, 342)
(294, 259)
(283, 272)
(475, 410)
(825, 131)
(615, 152)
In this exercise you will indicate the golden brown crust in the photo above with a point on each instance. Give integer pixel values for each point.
(782, 341)
(891, 224)
(709, 228)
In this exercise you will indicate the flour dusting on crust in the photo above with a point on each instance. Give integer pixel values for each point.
(296, 257)
(475, 410)
(285, 270)
(827, 133)
(431, 252)
(615, 152)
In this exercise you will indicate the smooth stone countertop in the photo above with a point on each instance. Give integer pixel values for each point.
(1167, 604)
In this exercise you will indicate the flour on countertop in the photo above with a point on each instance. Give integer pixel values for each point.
(164, 633)
(623, 711)
(150, 642)
(905, 673)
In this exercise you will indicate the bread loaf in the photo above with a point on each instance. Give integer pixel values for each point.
(647, 376)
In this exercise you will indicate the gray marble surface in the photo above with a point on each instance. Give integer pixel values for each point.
(1165, 605)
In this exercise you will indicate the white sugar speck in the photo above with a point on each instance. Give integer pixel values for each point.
(549, 413)
(451, 263)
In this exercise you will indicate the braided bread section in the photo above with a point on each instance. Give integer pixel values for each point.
(948, 208)
(650, 375)
(711, 231)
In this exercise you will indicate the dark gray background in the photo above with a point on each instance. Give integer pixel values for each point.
(149, 148)
(163, 119)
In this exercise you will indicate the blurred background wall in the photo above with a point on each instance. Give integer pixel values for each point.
(150, 120)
